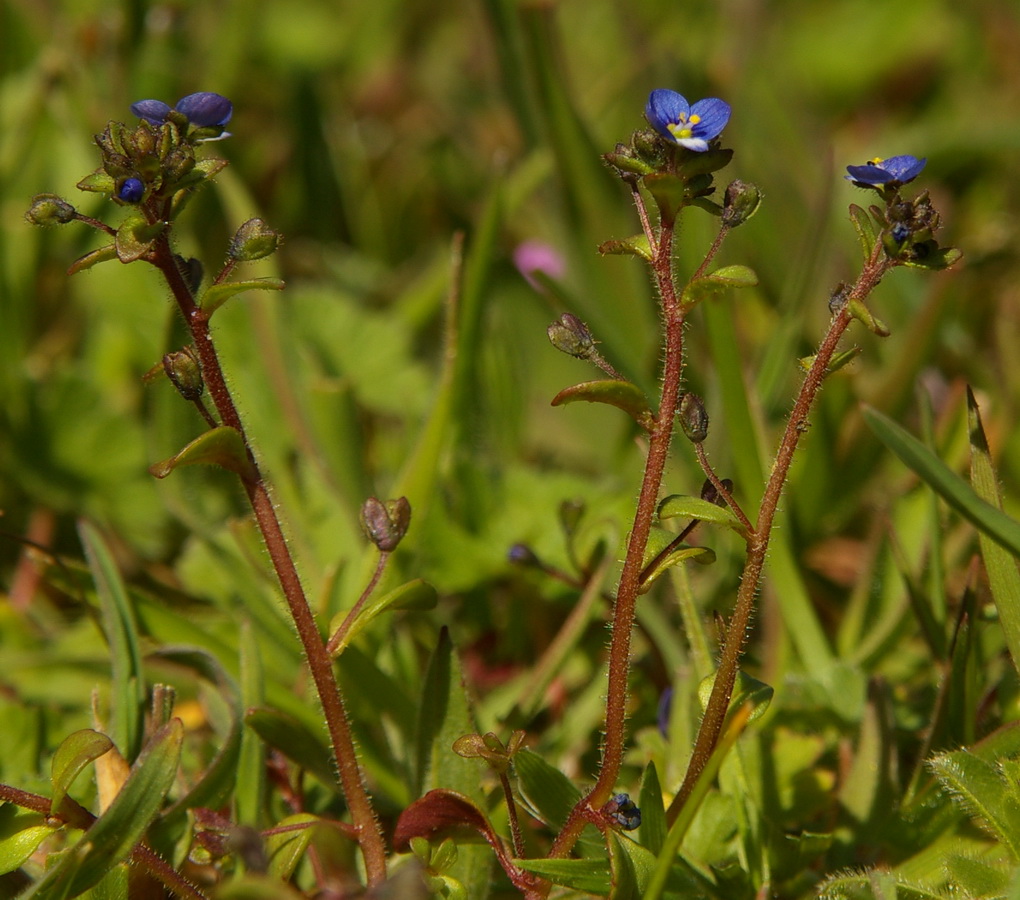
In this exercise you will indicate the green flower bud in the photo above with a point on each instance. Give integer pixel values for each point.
(693, 418)
(184, 372)
(741, 202)
(385, 524)
(571, 336)
(49, 209)
(254, 240)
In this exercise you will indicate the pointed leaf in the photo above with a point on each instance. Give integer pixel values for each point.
(221, 446)
(204, 168)
(218, 294)
(669, 193)
(835, 364)
(135, 237)
(676, 556)
(416, 595)
(950, 486)
(621, 394)
(632, 867)
(99, 182)
(1001, 565)
(21, 833)
(865, 229)
(93, 257)
(591, 876)
(288, 844)
(75, 752)
(937, 260)
(684, 506)
(546, 790)
(113, 836)
(295, 741)
(746, 689)
(867, 318)
(717, 282)
(633, 246)
(653, 814)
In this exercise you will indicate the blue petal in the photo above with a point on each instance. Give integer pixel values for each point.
(714, 114)
(868, 174)
(205, 109)
(904, 168)
(153, 111)
(666, 108)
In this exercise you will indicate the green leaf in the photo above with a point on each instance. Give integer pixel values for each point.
(835, 364)
(621, 394)
(980, 788)
(715, 283)
(653, 814)
(121, 630)
(633, 246)
(683, 506)
(287, 845)
(669, 192)
(218, 294)
(950, 486)
(21, 833)
(113, 836)
(295, 741)
(657, 561)
(865, 229)
(221, 446)
(75, 752)
(632, 867)
(417, 594)
(93, 257)
(1001, 565)
(135, 237)
(746, 689)
(549, 794)
(250, 794)
(867, 318)
(592, 876)
(99, 182)
(203, 169)
(936, 260)
(977, 877)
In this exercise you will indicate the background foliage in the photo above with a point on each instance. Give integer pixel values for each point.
(369, 133)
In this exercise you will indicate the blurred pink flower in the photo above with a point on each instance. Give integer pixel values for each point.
(536, 256)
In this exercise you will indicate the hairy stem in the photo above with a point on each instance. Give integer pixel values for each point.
(319, 662)
(758, 540)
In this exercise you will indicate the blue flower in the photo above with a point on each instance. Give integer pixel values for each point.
(203, 110)
(692, 127)
(132, 190)
(895, 170)
(624, 811)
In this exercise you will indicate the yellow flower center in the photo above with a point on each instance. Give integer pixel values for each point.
(683, 129)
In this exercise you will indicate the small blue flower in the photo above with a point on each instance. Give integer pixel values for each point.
(132, 190)
(203, 110)
(692, 127)
(624, 811)
(895, 170)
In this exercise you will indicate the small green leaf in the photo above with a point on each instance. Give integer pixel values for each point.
(653, 814)
(657, 560)
(835, 364)
(203, 169)
(592, 876)
(868, 319)
(288, 843)
(950, 486)
(632, 867)
(977, 877)
(621, 394)
(669, 193)
(746, 689)
(92, 258)
(221, 446)
(716, 282)
(218, 294)
(295, 741)
(415, 595)
(99, 182)
(547, 791)
(135, 237)
(633, 246)
(21, 833)
(939, 259)
(686, 507)
(75, 752)
(865, 229)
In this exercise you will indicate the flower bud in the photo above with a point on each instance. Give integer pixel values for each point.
(693, 418)
(184, 372)
(131, 190)
(49, 209)
(571, 336)
(523, 555)
(741, 202)
(385, 524)
(253, 240)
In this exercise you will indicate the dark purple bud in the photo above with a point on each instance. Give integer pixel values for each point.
(131, 190)
(385, 524)
(49, 209)
(205, 109)
(624, 811)
(709, 492)
(153, 111)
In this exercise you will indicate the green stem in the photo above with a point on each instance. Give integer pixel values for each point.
(319, 662)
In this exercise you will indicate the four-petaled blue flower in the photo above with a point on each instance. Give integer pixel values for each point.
(203, 110)
(132, 190)
(692, 127)
(895, 170)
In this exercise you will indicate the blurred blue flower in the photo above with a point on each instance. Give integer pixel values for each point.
(895, 170)
(132, 190)
(203, 110)
(692, 127)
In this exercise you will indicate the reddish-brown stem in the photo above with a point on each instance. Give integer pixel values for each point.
(758, 540)
(517, 839)
(320, 663)
(721, 489)
(345, 626)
